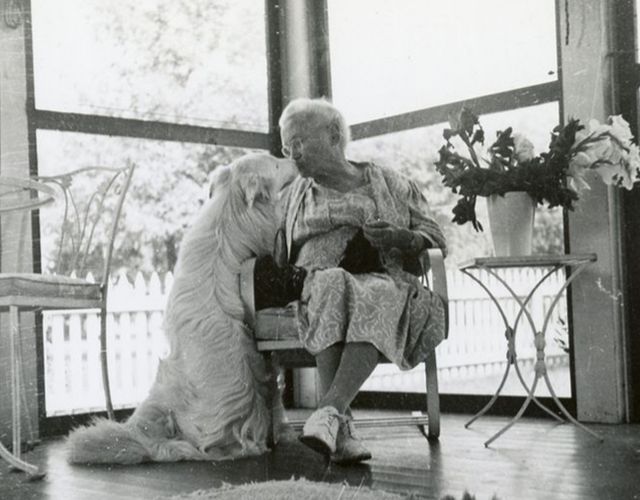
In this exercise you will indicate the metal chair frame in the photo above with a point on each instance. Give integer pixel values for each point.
(85, 229)
(290, 352)
(80, 240)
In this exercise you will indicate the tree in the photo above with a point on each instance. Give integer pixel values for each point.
(175, 61)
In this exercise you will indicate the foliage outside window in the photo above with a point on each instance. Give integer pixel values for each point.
(170, 184)
(201, 63)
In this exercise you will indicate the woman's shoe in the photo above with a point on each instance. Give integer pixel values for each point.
(349, 449)
(321, 430)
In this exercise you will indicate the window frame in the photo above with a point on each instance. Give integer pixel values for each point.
(161, 130)
(40, 119)
(275, 12)
(627, 74)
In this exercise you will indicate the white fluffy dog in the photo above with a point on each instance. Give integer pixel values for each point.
(208, 401)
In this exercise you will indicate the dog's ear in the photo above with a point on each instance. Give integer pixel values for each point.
(254, 188)
(218, 177)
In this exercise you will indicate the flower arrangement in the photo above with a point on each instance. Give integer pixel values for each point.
(555, 177)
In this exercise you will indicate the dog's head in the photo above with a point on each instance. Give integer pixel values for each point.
(258, 177)
(255, 186)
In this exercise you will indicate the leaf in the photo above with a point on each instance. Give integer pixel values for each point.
(464, 211)
(478, 137)
(467, 120)
(447, 133)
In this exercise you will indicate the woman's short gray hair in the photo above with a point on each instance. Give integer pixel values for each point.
(306, 109)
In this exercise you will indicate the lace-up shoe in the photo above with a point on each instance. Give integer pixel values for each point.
(349, 449)
(321, 430)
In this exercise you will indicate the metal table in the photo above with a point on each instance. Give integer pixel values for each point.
(575, 264)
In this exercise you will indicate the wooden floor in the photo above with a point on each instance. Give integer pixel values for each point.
(536, 459)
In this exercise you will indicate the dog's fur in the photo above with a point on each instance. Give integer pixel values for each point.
(208, 400)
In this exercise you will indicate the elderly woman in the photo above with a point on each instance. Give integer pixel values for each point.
(348, 319)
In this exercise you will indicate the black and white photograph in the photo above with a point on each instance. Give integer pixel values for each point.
(319, 249)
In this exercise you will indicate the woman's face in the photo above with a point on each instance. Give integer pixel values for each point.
(308, 145)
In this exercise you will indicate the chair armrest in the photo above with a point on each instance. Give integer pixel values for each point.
(247, 293)
(433, 260)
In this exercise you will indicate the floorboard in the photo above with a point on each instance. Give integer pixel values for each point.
(536, 459)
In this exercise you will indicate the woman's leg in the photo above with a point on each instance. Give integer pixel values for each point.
(357, 362)
(327, 362)
(327, 430)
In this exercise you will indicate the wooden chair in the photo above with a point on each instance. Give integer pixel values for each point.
(277, 338)
(84, 221)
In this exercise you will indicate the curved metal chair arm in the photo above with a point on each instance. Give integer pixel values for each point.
(25, 184)
(433, 262)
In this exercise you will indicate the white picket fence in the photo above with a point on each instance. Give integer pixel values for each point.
(476, 344)
(136, 342)
(476, 348)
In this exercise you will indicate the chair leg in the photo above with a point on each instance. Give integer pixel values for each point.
(16, 366)
(433, 396)
(14, 325)
(104, 363)
(277, 413)
(272, 394)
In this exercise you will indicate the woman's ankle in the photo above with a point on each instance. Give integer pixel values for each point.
(341, 406)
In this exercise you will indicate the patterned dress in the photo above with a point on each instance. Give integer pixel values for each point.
(391, 310)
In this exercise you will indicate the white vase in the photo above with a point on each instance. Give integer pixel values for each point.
(511, 223)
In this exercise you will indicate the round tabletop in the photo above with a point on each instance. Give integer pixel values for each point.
(10, 199)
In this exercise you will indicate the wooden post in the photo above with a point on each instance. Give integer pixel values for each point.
(15, 228)
(587, 47)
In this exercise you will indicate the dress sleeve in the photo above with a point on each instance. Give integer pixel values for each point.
(421, 220)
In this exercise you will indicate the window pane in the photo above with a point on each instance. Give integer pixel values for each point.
(201, 63)
(414, 152)
(169, 186)
(472, 360)
(414, 54)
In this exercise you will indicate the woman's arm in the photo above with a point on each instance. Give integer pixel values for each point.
(385, 235)
(423, 231)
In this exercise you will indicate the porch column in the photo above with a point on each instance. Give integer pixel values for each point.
(305, 73)
(586, 38)
(15, 228)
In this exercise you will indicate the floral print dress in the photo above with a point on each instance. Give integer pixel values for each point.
(391, 310)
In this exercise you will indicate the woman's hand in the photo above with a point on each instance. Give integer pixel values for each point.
(385, 236)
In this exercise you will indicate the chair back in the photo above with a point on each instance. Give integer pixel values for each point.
(79, 230)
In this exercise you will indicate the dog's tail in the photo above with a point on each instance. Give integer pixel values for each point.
(150, 434)
(107, 442)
